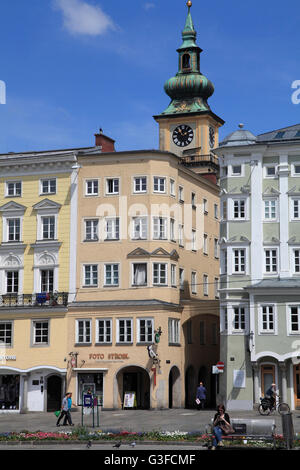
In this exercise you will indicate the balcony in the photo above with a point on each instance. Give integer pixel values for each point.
(43, 299)
(193, 158)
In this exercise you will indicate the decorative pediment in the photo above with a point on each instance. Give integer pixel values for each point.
(245, 189)
(244, 239)
(11, 261)
(46, 204)
(174, 255)
(138, 252)
(272, 241)
(12, 206)
(270, 191)
(160, 252)
(294, 191)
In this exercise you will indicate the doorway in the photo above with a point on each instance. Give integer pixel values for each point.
(267, 377)
(54, 398)
(297, 386)
(136, 380)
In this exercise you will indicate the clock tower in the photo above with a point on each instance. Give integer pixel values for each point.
(188, 127)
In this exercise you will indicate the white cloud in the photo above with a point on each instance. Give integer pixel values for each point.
(84, 19)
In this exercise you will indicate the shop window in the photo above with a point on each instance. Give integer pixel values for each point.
(9, 392)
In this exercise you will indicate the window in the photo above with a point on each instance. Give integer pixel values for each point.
(139, 275)
(140, 184)
(239, 318)
(270, 209)
(216, 211)
(236, 170)
(145, 329)
(296, 208)
(223, 261)
(140, 228)
(92, 188)
(6, 333)
(12, 282)
(159, 184)
(239, 260)
(159, 228)
(270, 171)
(41, 332)
(294, 324)
(90, 275)
(173, 275)
(48, 186)
(267, 320)
(216, 286)
(112, 226)
(47, 280)
(239, 209)
(205, 284)
(180, 194)
(297, 261)
(91, 230)
(83, 333)
(124, 330)
(205, 244)
(271, 261)
(224, 210)
(296, 168)
(104, 331)
(193, 200)
(111, 274)
(194, 282)
(14, 230)
(224, 319)
(180, 235)
(160, 273)
(181, 278)
(172, 188)
(112, 186)
(173, 331)
(14, 188)
(172, 230)
(48, 227)
(216, 248)
(194, 240)
(205, 206)
(279, 135)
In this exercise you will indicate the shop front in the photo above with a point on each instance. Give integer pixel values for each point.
(9, 392)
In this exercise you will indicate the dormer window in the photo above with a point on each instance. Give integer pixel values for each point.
(186, 61)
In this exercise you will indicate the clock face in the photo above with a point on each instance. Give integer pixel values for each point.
(183, 135)
(211, 137)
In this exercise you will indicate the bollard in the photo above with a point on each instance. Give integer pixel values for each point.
(288, 429)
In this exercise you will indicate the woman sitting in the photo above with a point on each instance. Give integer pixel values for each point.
(221, 418)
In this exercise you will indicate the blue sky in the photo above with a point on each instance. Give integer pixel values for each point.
(73, 66)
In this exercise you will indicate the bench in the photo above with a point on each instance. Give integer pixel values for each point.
(248, 429)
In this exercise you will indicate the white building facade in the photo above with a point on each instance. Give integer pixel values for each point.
(260, 266)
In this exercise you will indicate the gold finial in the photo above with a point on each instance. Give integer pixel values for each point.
(189, 4)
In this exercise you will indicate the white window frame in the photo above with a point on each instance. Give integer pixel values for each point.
(173, 275)
(95, 185)
(205, 285)
(159, 228)
(268, 202)
(173, 331)
(235, 174)
(113, 267)
(159, 274)
(264, 309)
(15, 282)
(241, 205)
(7, 334)
(128, 330)
(159, 182)
(172, 187)
(94, 230)
(205, 244)
(86, 335)
(242, 260)
(6, 222)
(48, 270)
(149, 330)
(115, 186)
(194, 282)
(265, 170)
(140, 184)
(139, 227)
(295, 200)
(93, 272)
(112, 233)
(294, 173)
(49, 182)
(296, 260)
(34, 335)
(239, 324)
(132, 274)
(271, 258)
(107, 330)
(17, 188)
(289, 307)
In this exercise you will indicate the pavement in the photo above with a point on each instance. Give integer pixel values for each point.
(188, 420)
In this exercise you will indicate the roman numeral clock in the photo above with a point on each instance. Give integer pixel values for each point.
(188, 127)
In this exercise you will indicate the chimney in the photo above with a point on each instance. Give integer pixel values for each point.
(107, 144)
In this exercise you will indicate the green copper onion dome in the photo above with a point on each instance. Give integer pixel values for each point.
(189, 89)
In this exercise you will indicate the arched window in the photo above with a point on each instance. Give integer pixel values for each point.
(186, 61)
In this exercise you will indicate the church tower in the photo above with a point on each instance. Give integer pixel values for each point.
(188, 127)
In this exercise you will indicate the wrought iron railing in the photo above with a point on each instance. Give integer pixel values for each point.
(194, 159)
(43, 299)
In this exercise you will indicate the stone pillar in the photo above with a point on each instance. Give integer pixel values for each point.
(282, 366)
(23, 400)
(255, 368)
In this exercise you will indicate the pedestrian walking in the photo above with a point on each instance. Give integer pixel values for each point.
(64, 409)
(201, 396)
(68, 417)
